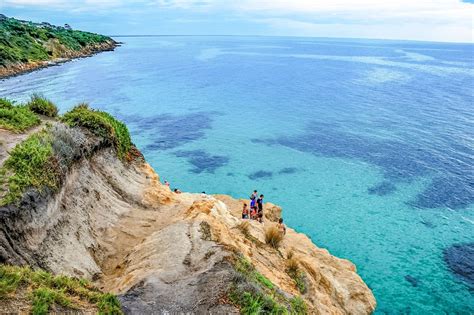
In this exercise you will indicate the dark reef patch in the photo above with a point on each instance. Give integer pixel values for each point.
(401, 161)
(450, 192)
(260, 175)
(203, 161)
(412, 280)
(460, 260)
(382, 189)
(171, 131)
(428, 224)
(288, 170)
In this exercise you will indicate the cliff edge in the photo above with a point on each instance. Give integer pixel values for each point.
(105, 216)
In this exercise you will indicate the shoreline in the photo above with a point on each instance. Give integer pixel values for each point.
(24, 68)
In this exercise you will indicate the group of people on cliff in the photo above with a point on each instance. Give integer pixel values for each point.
(255, 212)
(256, 208)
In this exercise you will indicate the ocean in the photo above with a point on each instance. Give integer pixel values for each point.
(366, 144)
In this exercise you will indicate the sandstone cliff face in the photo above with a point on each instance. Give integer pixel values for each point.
(115, 223)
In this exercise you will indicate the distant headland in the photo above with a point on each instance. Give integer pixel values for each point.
(26, 46)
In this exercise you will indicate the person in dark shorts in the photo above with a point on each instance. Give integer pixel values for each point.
(260, 208)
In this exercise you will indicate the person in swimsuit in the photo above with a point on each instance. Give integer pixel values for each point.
(245, 212)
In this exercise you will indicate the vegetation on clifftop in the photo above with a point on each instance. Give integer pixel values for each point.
(30, 164)
(101, 124)
(44, 292)
(16, 118)
(44, 157)
(23, 41)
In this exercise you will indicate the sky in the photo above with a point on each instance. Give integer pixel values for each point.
(426, 20)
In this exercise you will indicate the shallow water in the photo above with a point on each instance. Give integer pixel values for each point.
(367, 145)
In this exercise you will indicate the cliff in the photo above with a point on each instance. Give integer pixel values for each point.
(104, 215)
(26, 46)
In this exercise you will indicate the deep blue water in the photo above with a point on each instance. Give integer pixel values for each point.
(367, 145)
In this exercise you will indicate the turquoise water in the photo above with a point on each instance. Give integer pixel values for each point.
(367, 145)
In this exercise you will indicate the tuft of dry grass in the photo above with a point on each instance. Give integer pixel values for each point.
(294, 271)
(292, 266)
(273, 237)
(244, 228)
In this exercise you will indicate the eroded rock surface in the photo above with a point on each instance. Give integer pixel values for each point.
(115, 223)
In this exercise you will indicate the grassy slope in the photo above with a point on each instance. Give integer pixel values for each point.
(23, 42)
(42, 292)
(40, 160)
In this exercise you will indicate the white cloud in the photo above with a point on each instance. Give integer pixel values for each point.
(443, 20)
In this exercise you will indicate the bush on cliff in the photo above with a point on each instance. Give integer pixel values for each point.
(44, 291)
(30, 164)
(41, 105)
(273, 237)
(101, 124)
(16, 118)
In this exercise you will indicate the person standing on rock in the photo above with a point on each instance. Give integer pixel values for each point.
(281, 226)
(260, 208)
(253, 198)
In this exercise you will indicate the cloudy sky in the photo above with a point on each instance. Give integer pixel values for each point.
(434, 20)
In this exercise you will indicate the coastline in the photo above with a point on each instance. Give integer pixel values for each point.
(23, 68)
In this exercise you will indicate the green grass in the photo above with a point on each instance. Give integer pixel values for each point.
(41, 105)
(256, 294)
(298, 305)
(101, 124)
(48, 290)
(27, 42)
(30, 164)
(44, 298)
(16, 118)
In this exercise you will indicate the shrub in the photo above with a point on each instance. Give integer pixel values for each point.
(68, 144)
(30, 164)
(273, 237)
(41, 105)
(6, 104)
(16, 118)
(101, 124)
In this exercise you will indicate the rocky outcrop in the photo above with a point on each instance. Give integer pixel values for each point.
(113, 222)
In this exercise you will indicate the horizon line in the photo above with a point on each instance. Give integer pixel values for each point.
(290, 36)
